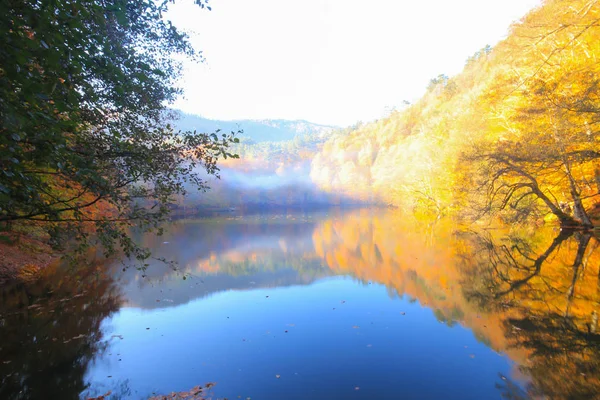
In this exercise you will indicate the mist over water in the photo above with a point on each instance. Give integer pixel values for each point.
(296, 175)
(448, 248)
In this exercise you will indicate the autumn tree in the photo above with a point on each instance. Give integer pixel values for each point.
(85, 144)
(545, 111)
(515, 134)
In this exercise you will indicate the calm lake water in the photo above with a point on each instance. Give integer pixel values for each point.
(364, 304)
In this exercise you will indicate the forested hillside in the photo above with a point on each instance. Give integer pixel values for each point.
(267, 130)
(272, 170)
(88, 152)
(267, 174)
(516, 132)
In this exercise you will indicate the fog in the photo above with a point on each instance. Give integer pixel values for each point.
(273, 171)
(275, 187)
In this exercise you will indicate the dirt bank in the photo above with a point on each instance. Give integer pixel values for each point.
(22, 257)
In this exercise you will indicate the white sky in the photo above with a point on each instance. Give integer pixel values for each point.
(330, 61)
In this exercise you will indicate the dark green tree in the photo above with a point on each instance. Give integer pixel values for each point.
(85, 144)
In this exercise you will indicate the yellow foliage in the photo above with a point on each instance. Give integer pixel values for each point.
(537, 94)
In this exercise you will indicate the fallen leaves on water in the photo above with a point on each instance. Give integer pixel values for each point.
(100, 397)
(74, 338)
(196, 393)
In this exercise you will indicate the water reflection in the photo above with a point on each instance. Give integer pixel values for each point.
(531, 296)
(50, 331)
(235, 253)
(547, 290)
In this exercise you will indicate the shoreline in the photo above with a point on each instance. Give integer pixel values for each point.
(23, 257)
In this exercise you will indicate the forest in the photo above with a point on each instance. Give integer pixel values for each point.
(514, 137)
(90, 150)
(449, 247)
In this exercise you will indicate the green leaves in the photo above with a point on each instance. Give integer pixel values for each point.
(84, 140)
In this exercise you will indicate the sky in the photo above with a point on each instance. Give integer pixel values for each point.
(332, 62)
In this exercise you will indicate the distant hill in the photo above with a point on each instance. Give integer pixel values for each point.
(267, 130)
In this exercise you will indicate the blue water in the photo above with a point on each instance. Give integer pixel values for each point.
(266, 307)
(334, 339)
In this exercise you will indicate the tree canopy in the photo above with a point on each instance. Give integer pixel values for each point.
(514, 135)
(85, 143)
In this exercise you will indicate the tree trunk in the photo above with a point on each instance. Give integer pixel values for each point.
(537, 265)
(597, 176)
(578, 209)
(582, 243)
(594, 322)
(565, 219)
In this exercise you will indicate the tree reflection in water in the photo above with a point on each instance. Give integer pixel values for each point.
(533, 295)
(50, 331)
(548, 289)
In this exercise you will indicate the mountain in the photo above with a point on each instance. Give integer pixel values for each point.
(267, 130)
(516, 133)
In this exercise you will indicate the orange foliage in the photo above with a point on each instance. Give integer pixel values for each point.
(538, 89)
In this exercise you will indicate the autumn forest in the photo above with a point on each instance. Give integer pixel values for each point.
(448, 249)
(514, 137)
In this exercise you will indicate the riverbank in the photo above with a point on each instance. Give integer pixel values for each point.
(23, 256)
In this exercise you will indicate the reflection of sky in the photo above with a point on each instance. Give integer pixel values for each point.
(191, 241)
(202, 251)
(341, 335)
(219, 325)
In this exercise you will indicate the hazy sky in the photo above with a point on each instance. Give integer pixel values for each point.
(330, 61)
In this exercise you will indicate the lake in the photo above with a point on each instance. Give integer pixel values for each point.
(360, 304)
